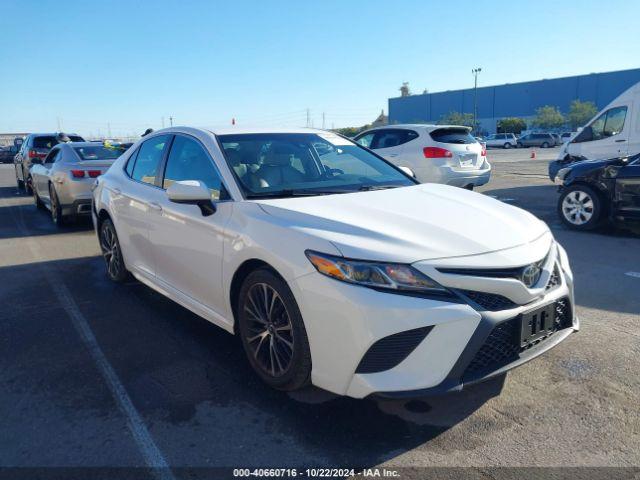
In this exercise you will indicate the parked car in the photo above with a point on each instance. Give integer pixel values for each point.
(62, 181)
(613, 133)
(446, 154)
(557, 138)
(597, 191)
(502, 140)
(36, 145)
(333, 266)
(7, 153)
(542, 140)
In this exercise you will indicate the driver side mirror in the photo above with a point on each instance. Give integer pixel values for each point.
(585, 135)
(192, 192)
(408, 171)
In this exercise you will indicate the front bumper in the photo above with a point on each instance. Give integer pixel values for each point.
(344, 322)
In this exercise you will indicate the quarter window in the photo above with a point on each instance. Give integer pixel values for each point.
(149, 157)
(189, 161)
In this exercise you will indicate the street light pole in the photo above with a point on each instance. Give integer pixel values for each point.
(475, 72)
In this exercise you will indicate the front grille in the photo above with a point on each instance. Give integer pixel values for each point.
(389, 351)
(502, 346)
(489, 301)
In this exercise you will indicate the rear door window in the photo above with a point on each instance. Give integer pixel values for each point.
(392, 138)
(149, 157)
(452, 135)
(45, 142)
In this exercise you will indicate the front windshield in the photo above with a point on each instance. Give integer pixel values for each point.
(282, 164)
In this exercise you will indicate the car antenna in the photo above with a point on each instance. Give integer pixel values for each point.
(147, 132)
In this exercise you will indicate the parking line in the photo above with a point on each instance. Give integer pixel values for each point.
(152, 455)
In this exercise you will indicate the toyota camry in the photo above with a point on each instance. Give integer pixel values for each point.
(333, 266)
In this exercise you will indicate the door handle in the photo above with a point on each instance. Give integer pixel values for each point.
(155, 206)
(621, 140)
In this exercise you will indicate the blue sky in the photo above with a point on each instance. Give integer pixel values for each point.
(126, 64)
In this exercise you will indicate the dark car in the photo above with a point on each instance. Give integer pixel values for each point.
(7, 153)
(597, 191)
(37, 146)
(556, 165)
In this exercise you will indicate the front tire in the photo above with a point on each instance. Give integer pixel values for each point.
(272, 331)
(544, 145)
(112, 253)
(507, 145)
(28, 187)
(19, 183)
(580, 207)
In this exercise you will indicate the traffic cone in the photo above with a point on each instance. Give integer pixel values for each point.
(533, 154)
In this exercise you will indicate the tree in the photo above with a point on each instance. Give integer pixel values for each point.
(511, 125)
(457, 118)
(580, 113)
(548, 117)
(352, 131)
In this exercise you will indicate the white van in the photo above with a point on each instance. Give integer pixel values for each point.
(613, 132)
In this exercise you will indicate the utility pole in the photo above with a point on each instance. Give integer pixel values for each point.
(59, 124)
(109, 129)
(475, 72)
(307, 118)
(171, 121)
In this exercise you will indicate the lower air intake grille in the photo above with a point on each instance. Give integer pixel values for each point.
(554, 280)
(389, 351)
(503, 343)
(489, 301)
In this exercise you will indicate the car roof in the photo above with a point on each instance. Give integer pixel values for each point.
(429, 127)
(51, 134)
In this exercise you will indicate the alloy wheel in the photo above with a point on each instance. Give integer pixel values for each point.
(110, 251)
(269, 333)
(577, 207)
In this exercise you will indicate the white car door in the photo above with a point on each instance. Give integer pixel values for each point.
(606, 137)
(188, 242)
(135, 201)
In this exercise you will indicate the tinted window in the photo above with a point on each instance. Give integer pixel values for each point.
(189, 161)
(50, 141)
(52, 156)
(366, 140)
(98, 152)
(146, 166)
(452, 135)
(392, 138)
(131, 162)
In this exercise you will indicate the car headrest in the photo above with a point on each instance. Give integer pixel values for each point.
(279, 155)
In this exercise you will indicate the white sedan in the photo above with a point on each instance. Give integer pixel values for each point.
(446, 154)
(333, 266)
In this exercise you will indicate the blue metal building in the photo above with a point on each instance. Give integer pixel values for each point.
(513, 100)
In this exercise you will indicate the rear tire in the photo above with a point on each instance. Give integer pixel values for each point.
(544, 145)
(272, 331)
(507, 145)
(580, 208)
(36, 199)
(56, 209)
(19, 183)
(112, 253)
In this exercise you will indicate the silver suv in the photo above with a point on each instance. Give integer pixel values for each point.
(36, 145)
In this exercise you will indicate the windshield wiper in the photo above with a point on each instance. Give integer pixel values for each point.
(294, 193)
(368, 188)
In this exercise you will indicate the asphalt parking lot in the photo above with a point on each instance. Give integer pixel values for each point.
(95, 374)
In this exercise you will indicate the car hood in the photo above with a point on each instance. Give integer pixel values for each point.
(408, 224)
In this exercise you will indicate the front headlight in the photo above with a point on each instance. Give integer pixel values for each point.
(392, 276)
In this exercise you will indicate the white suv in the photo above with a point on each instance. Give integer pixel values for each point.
(446, 154)
(502, 140)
